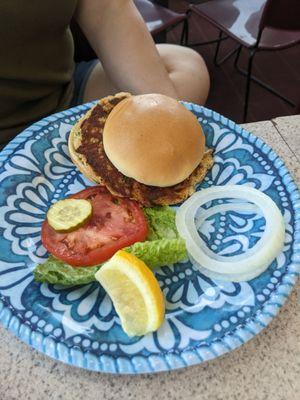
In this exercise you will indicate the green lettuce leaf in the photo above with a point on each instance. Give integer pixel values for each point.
(57, 272)
(162, 247)
(157, 253)
(161, 222)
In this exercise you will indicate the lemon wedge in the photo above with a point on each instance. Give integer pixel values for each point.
(135, 293)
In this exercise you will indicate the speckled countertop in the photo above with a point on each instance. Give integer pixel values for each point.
(267, 367)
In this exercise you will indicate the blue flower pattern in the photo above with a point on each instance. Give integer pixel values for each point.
(79, 324)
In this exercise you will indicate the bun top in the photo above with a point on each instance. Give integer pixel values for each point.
(153, 139)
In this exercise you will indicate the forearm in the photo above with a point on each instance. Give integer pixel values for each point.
(122, 42)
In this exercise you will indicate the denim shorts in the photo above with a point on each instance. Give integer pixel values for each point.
(81, 75)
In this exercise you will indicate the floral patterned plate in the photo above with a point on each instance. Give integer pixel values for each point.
(204, 318)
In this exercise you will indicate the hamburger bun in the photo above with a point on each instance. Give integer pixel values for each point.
(86, 148)
(153, 139)
(78, 159)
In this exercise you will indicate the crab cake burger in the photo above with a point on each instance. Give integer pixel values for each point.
(148, 148)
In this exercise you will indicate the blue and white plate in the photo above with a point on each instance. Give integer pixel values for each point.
(204, 318)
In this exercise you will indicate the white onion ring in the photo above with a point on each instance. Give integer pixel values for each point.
(247, 276)
(253, 262)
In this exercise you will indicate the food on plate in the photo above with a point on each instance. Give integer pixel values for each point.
(153, 139)
(162, 246)
(157, 237)
(115, 223)
(135, 293)
(148, 148)
(69, 214)
(237, 268)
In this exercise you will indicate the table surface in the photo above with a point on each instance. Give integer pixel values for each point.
(267, 367)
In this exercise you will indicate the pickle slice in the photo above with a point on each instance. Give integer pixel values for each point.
(69, 214)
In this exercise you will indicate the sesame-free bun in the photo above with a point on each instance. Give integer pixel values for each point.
(77, 158)
(153, 139)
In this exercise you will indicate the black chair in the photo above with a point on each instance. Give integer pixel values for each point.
(159, 18)
(257, 25)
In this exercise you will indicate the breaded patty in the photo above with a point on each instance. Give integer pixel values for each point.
(88, 145)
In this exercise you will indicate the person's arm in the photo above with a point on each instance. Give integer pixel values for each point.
(120, 38)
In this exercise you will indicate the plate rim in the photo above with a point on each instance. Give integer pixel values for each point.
(172, 359)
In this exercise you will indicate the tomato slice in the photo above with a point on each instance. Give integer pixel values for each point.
(115, 223)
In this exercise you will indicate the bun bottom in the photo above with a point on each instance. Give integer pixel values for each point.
(74, 142)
